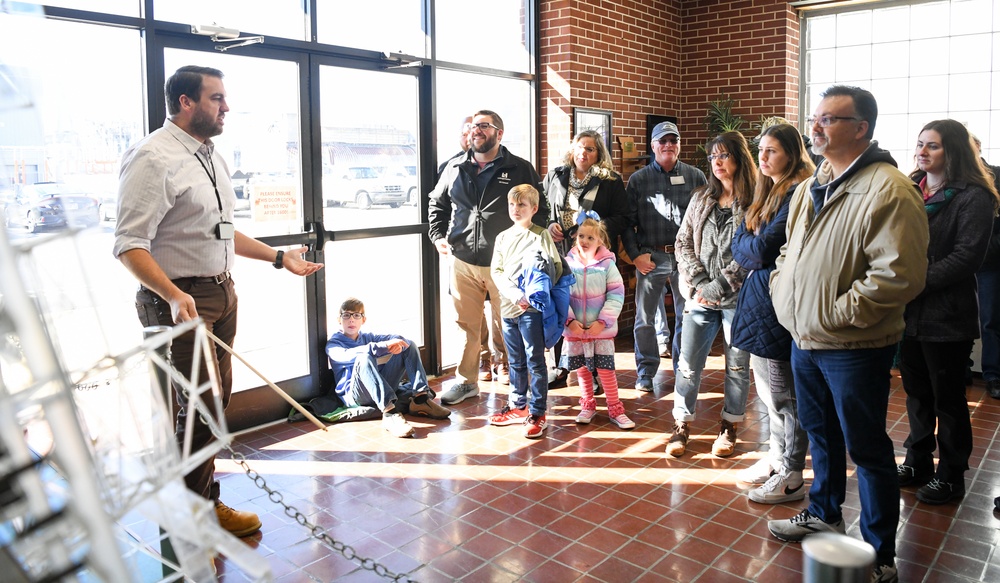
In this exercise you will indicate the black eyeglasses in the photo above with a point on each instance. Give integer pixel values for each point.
(483, 126)
(352, 315)
(826, 121)
(723, 157)
(665, 141)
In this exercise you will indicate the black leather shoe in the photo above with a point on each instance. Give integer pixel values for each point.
(557, 377)
(940, 492)
(993, 386)
(908, 476)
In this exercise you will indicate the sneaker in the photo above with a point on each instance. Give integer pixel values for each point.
(501, 373)
(940, 492)
(557, 377)
(623, 422)
(644, 384)
(237, 522)
(779, 488)
(908, 476)
(509, 416)
(677, 443)
(758, 473)
(396, 425)
(801, 525)
(993, 387)
(459, 392)
(664, 350)
(885, 574)
(485, 371)
(534, 426)
(725, 443)
(429, 409)
(586, 416)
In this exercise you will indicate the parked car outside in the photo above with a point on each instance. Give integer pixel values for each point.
(52, 206)
(361, 186)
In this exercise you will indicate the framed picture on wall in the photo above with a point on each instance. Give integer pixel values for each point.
(593, 119)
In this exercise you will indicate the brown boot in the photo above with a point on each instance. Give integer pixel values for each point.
(725, 444)
(237, 522)
(485, 371)
(503, 373)
(677, 443)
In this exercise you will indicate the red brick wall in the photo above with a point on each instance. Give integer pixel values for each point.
(670, 57)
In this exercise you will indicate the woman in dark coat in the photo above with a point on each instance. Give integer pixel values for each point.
(585, 181)
(757, 243)
(943, 321)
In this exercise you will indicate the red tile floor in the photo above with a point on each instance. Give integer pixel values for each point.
(467, 501)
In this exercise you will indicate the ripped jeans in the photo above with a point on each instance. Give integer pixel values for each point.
(701, 326)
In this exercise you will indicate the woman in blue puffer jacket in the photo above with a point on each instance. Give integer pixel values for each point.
(757, 243)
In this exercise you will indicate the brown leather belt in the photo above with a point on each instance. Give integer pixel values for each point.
(668, 248)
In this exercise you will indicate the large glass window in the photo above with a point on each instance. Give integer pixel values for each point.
(399, 28)
(284, 18)
(922, 62)
(370, 158)
(505, 32)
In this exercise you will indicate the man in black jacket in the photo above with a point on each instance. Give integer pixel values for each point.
(468, 209)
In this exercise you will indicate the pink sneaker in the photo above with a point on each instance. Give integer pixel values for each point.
(585, 416)
(623, 422)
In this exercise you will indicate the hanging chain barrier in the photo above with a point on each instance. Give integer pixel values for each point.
(317, 532)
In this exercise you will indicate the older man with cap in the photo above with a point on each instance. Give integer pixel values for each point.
(658, 195)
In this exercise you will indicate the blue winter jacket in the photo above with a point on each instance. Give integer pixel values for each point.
(755, 326)
(551, 301)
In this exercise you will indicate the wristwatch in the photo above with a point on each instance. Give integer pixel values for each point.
(277, 260)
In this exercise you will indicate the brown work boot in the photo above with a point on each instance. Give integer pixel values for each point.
(237, 522)
(485, 371)
(677, 444)
(503, 373)
(725, 443)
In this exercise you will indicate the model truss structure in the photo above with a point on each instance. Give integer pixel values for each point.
(112, 451)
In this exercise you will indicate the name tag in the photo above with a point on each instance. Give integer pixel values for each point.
(675, 180)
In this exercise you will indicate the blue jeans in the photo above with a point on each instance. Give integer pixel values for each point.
(843, 398)
(525, 341)
(648, 293)
(377, 385)
(989, 320)
(701, 326)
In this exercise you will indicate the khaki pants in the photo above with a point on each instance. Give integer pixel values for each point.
(469, 286)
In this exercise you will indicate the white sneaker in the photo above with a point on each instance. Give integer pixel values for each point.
(781, 487)
(586, 416)
(803, 524)
(396, 425)
(757, 473)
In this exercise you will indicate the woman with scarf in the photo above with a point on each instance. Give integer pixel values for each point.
(943, 321)
(586, 181)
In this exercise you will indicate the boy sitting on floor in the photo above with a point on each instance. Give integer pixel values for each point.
(367, 369)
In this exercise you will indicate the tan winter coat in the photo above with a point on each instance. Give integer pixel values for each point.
(844, 277)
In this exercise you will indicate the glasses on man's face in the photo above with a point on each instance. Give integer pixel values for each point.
(825, 121)
(724, 156)
(667, 140)
(483, 126)
(351, 315)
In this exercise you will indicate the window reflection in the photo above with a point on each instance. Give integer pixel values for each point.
(370, 157)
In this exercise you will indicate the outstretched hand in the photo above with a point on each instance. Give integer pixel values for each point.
(294, 262)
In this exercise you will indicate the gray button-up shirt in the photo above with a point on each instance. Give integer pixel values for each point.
(168, 206)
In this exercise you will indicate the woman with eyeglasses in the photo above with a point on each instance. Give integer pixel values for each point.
(710, 280)
(586, 181)
(943, 321)
(784, 163)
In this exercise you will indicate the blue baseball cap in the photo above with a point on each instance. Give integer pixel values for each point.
(664, 128)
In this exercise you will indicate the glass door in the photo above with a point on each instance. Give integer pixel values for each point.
(262, 145)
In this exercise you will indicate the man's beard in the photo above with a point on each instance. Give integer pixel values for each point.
(488, 144)
(205, 126)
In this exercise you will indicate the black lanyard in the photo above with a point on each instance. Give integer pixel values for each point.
(211, 177)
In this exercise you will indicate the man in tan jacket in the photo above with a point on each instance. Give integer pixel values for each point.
(856, 255)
